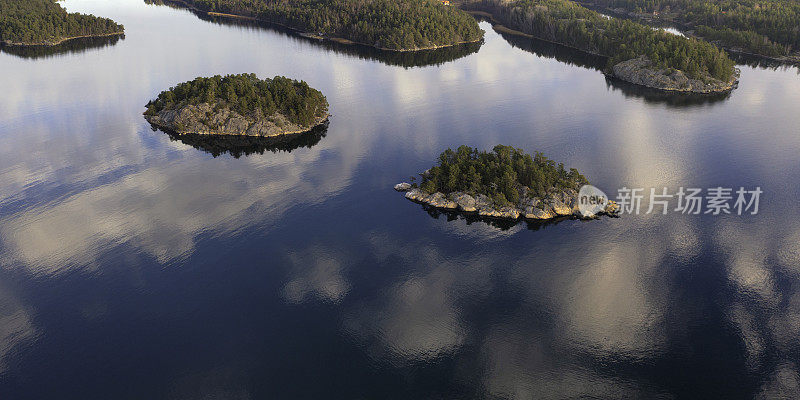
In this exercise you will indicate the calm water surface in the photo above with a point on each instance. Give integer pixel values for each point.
(134, 266)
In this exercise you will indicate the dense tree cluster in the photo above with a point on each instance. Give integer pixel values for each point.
(46, 22)
(759, 26)
(747, 41)
(570, 24)
(502, 174)
(389, 24)
(248, 96)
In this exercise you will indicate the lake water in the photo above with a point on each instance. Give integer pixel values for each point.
(134, 266)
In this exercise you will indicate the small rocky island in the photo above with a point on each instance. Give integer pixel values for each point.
(239, 105)
(642, 71)
(503, 184)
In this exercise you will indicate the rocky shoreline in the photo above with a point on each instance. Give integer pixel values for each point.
(640, 71)
(555, 205)
(208, 119)
(9, 43)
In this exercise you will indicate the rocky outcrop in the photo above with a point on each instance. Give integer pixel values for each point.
(402, 187)
(207, 119)
(641, 71)
(556, 204)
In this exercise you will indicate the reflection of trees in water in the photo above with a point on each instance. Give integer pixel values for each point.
(238, 146)
(73, 46)
(761, 62)
(672, 99)
(502, 224)
(406, 59)
(556, 51)
(576, 57)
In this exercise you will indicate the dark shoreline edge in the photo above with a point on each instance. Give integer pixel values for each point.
(308, 35)
(320, 122)
(60, 41)
(73, 46)
(243, 145)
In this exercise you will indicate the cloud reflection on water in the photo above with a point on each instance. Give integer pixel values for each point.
(83, 180)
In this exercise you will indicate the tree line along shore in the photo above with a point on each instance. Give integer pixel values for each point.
(767, 28)
(46, 23)
(398, 25)
(636, 52)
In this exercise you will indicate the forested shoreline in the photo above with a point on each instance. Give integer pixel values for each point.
(568, 23)
(45, 22)
(384, 24)
(763, 27)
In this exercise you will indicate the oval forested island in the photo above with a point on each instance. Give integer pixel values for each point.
(46, 23)
(505, 183)
(395, 25)
(239, 105)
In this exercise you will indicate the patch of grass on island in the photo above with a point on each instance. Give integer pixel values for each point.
(45, 22)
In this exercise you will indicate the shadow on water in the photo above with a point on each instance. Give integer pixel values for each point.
(581, 59)
(555, 51)
(405, 59)
(661, 97)
(502, 224)
(238, 146)
(73, 46)
(761, 62)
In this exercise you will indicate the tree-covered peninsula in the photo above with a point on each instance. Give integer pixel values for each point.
(45, 22)
(640, 54)
(763, 27)
(385, 24)
(505, 183)
(239, 105)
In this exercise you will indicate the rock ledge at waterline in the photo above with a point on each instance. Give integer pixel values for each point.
(641, 71)
(207, 119)
(554, 205)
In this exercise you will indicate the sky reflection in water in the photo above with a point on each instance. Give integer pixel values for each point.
(165, 271)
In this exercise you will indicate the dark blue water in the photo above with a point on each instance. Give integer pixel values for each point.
(135, 266)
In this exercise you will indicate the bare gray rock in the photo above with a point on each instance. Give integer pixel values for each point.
(402, 187)
(465, 202)
(555, 204)
(206, 119)
(641, 71)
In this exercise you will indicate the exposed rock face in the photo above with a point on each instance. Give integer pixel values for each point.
(205, 119)
(439, 200)
(641, 71)
(554, 205)
(465, 202)
(402, 187)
